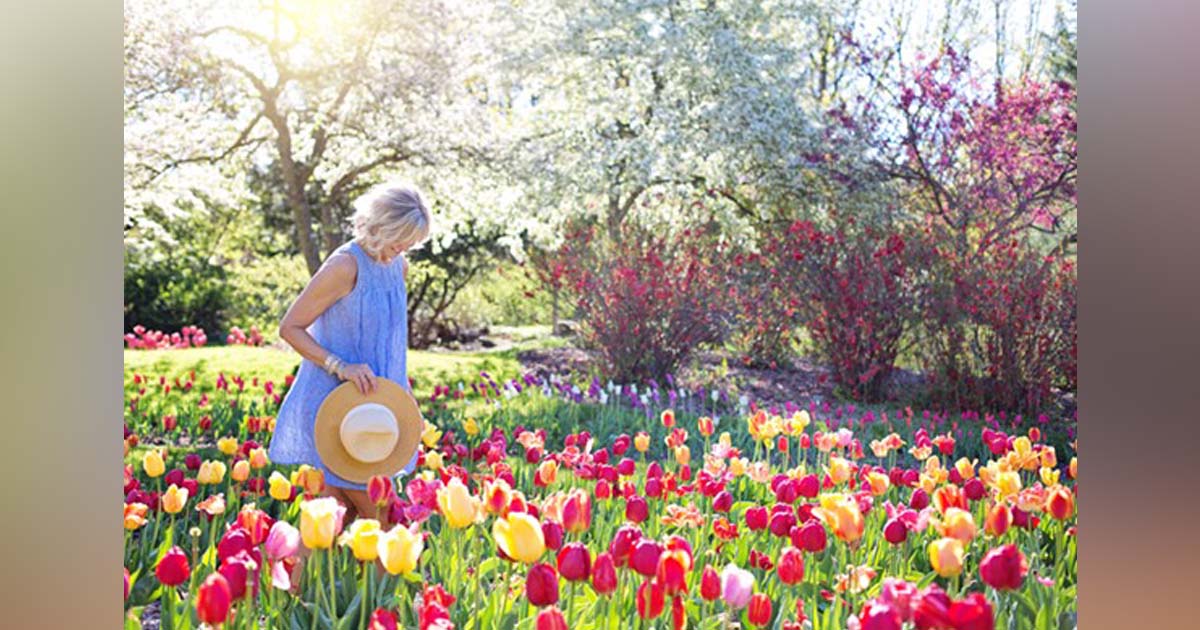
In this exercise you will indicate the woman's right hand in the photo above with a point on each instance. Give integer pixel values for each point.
(362, 375)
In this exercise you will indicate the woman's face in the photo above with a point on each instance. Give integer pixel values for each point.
(392, 250)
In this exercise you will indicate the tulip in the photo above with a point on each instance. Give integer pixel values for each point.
(258, 458)
(382, 619)
(1059, 503)
(135, 515)
(541, 585)
(433, 461)
(973, 612)
(1004, 568)
(878, 615)
(280, 487)
(363, 539)
(710, 584)
(756, 518)
(759, 612)
(791, 565)
(551, 619)
(974, 489)
(213, 599)
(240, 571)
(546, 473)
(211, 473)
(668, 418)
(320, 522)
(636, 509)
(958, 523)
(283, 540)
(400, 549)
(227, 445)
(241, 471)
(214, 505)
(1073, 468)
(841, 513)
(174, 499)
(553, 534)
(235, 540)
(645, 556)
(126, 571)
(641, 441)
(946, 556)
(1008, 483)
(998, 520)
(650, 600)
(722, 502)
(152, 463)
(736, 586)
(172, 568)
(457, 505)
(672, 570)
(380, 490)
(931, 608)
(520, 537)
(577, 511)
(919, 500)
(574, 562)
(812, 537)
(604, 574)
(622, 543)
(878, 482)
(678, 613)
(706, 426)
(497, 496)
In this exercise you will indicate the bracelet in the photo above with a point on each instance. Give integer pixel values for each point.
(333, 364)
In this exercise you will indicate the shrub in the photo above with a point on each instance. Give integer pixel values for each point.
(168, 292)
(647, 300)
(764, 322)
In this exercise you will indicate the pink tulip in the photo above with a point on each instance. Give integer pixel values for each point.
(737, 585)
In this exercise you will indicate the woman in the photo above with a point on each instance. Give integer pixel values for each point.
(351, 324)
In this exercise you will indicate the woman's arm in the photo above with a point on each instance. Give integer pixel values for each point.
(333, 281)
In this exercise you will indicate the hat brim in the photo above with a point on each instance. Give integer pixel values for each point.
(327, 430)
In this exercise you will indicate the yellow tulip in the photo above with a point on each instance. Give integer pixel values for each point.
(800, 421)
(241, 471)
(1049, 476)
(433, 460)
(1022, 446)
(471, 427)
(363, 539)
(946, 556)
(457, 505)
(227, 445)
(1008, 483)
(1073, 468)
(927, 483)
(311, 480)
(838, 469)
(737, 466)
(174, 499)
(683, 455)
(879, 483)
(280, 488)
(519, 535)
(400, 549)
(152, 463)
(431, 435)
(641, 442)
(725, 440)
(1049, 457)
(840, 512)
(320, 520)
(958, 523)
(211, 473)
(547, 472)
(258, 458)
(965, 468)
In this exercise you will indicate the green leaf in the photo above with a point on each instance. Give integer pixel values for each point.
(132, 621)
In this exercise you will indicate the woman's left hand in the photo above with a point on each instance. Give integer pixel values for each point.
(362, 375)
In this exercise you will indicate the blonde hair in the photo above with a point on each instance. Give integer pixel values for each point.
(390, 212)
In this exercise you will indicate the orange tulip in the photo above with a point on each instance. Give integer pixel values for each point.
(946, 556)
(998, 520)
(879, 483)
(958, 523)
(135, 515)
(842, 515)
(1060, 503)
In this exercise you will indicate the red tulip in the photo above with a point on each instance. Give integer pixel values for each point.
(791, 565)
(192, 461)
(809, 486)
(654, 471)
(574, 562)
(710, 584)
(604, 574)
(626, 467)
(973, 612)
(212, 599)
(541, 585)
(644, 558)
(759, 611)
(1004, 568)
(577, 511)
(932, 609)
(621, 444)
(877, 615)
(654, 487)
(786, 493)
(812, 537)
(919, 500)
(380, 490)
(756, 518)
(235, 539)
(172, 569)
(603, 489)
(622, 543)
(382, 619)
(895, 531)
(723, 501)
(553, 533)
(650, 600)
(1060, 504)
(636, 509)
(974, 489)
(782, 520)
(673, 567)
(551, 619)
(240, 570)
(126, 583)
(998, 520)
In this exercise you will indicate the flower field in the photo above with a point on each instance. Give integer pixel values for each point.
(540, 503)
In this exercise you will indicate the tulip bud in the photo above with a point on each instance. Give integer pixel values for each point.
(574, 562)
(756, 518)
(673, 567)
(636, 509)
(1004, 568)
(813, 537)
(895, 531)
(998, 520)
(241, 471)
(791, 565)
(723, 501)
(946, 556)
(622, 543)
(604, 574)
(552, 532)
(541, 585)
(551, 619)
(213, 599)
(710, 584)
(736, 586)
(172, 569)
(651, 600)
(645, 555)
(759, 612)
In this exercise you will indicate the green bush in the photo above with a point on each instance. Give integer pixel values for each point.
(263, 289)
(168, 291)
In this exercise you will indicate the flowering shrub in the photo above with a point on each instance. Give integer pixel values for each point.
(647, 300)
(187, 337)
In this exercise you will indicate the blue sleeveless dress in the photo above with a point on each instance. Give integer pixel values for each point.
(368, 325)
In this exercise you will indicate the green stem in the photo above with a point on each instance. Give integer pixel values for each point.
(362, 613)
(332, 590)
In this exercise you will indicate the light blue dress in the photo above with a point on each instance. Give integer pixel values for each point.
(368, 325)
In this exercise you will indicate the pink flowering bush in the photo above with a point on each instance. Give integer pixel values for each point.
(187, 337)
(239, 338)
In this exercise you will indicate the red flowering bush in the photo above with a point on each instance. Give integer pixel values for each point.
(647, 300)
(143, 339)
(238, 337)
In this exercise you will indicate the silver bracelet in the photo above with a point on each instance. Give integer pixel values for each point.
(332, 363)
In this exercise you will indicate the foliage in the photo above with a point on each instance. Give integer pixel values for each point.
(648, 299)
(166, 292)
(263, 289)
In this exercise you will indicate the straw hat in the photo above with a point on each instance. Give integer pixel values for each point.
(360, 436)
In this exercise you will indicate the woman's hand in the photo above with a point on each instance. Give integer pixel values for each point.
(362, 375)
